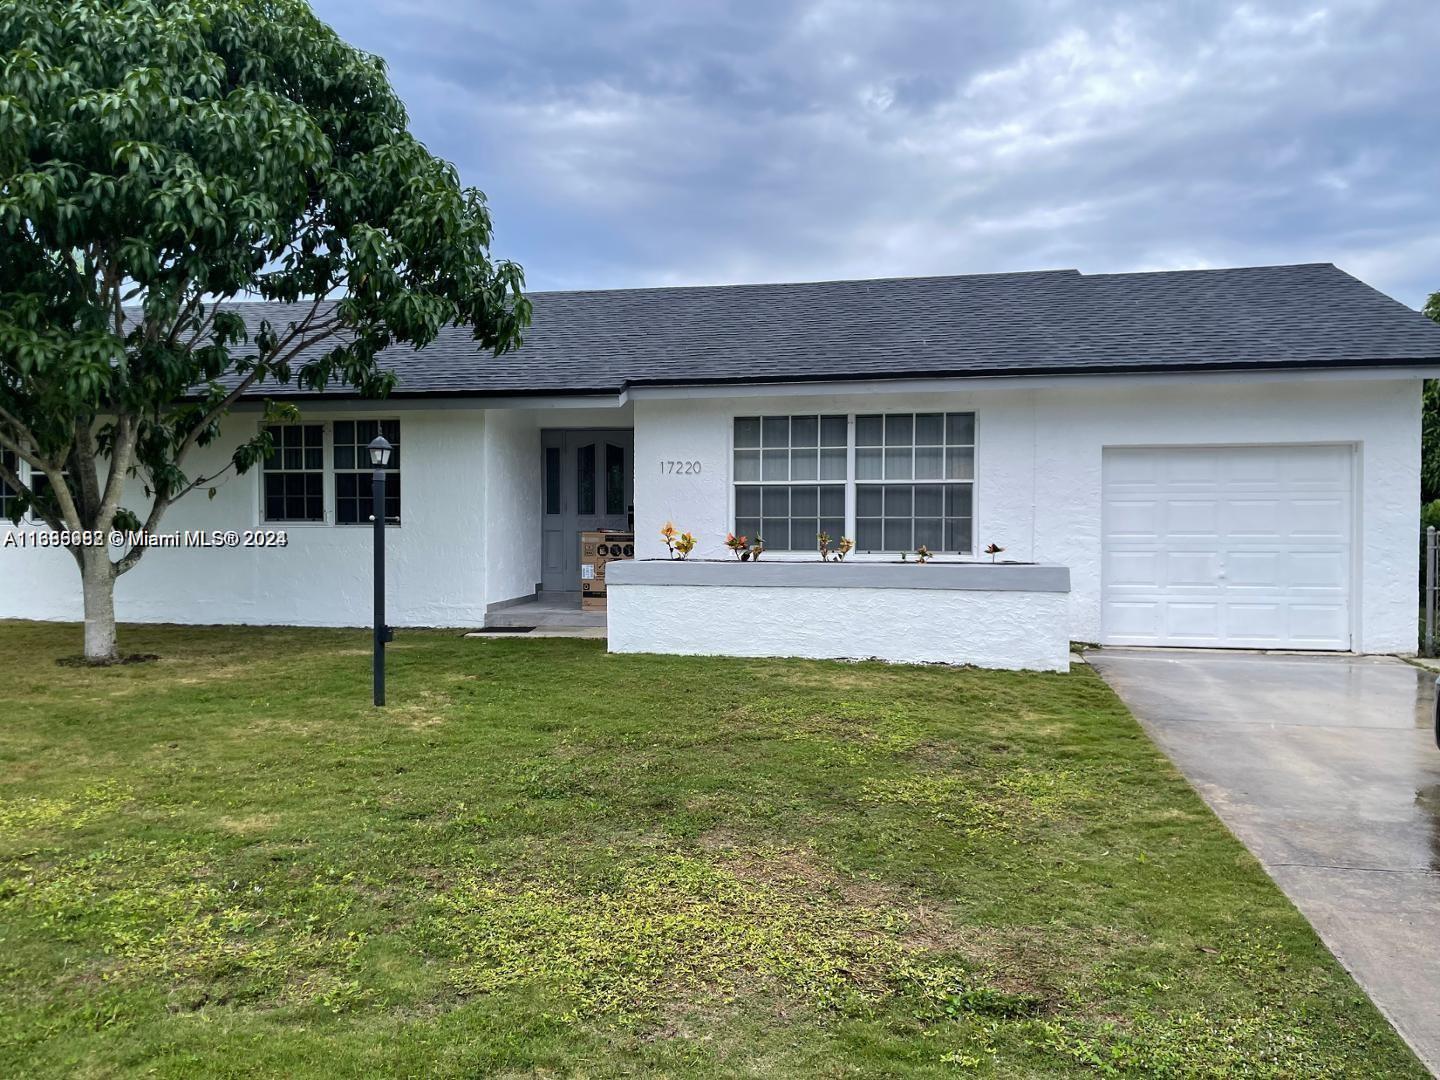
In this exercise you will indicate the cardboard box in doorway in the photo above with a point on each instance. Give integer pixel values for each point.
(596, 550)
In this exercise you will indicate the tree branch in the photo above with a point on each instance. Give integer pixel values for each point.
(122, 453)
(11, 479)
(83, 470)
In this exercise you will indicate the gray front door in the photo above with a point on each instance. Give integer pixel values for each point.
(589, 484)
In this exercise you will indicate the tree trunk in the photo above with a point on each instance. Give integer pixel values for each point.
(99, 584)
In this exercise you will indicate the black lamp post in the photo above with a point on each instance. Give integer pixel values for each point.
(380, 449)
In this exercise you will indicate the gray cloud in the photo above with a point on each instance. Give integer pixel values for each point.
(640, 143)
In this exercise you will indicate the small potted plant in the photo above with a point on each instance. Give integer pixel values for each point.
(679, 544)
(823, 540)
(922, 555)
(738, 545)
(846, 546)
(993, 550)
(757, 548)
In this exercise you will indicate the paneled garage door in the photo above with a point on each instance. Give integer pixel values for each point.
(1245, 547)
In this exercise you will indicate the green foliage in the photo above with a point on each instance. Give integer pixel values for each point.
(532, 862)
(158, 158)
(1430, 423)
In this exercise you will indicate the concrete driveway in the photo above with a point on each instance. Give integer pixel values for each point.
(1326, 768)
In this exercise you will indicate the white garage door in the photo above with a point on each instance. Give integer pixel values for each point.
(1246, 547)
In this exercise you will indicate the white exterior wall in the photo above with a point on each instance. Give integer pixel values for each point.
(1038, 465)
(469, 538)
(436, 565)
(511, 482)
(1012, 629)
(472, 483)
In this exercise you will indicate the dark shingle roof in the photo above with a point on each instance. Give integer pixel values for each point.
(1047, 322)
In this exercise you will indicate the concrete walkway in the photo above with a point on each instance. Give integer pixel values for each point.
(1326, 768)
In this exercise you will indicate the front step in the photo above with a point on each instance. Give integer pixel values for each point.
(545, 612)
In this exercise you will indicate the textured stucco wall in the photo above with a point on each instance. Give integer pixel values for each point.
(511, 483)
(988, 629)
(1038, 467)
(435, 565)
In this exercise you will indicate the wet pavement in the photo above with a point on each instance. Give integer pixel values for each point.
(1326, 768)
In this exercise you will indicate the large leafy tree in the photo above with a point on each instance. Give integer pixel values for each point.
(160, 158)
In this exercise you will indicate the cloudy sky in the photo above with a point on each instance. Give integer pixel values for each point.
(645, 142)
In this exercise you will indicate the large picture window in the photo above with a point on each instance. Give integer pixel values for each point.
(912, 474)
(790, 476)
(914, 482)
(295, 473)
(352, 470)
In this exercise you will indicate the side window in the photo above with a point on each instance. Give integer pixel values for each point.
(11, 461)
(352, 470)
(295, 473)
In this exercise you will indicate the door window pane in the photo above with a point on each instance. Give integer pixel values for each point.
(585, 479)
(614, 479)
(552, 480)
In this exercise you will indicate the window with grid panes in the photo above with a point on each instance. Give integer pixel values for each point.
(790, 475)
(42, 493)
(295, 473)
(11, 461)
(915, 482)
(353, 468)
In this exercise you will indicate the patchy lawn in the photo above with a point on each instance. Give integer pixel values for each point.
(545, 859)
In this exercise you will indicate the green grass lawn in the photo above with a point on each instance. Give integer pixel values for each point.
(545, 859)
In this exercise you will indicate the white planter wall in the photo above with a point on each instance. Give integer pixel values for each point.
(902, 614)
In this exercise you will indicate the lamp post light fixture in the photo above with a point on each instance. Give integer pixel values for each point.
(380, 450)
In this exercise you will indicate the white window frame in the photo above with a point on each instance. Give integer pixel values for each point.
(331, 520)
(913, 481)
(851, 483)
(816, 482)
(325, 483)
(20, 474)
(364, 470)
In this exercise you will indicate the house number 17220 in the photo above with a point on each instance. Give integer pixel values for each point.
(686, 468)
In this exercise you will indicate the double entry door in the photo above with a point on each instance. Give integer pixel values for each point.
(589, 484)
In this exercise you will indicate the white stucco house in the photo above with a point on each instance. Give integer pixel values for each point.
(1219, 458)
